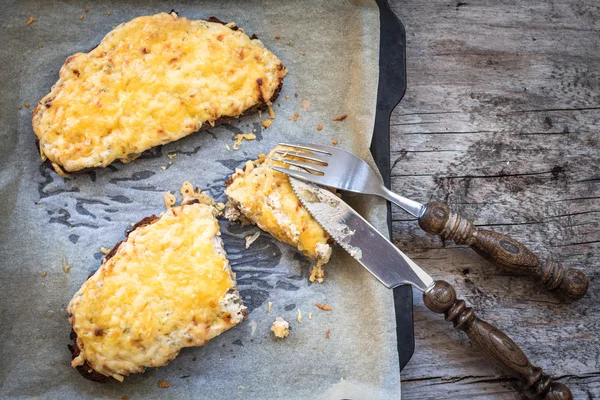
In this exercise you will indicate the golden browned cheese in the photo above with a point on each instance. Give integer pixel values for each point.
(168, 286)
(151, 81)
(266, 198)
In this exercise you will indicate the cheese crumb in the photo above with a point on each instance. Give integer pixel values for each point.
(289, 118)
(287, 97)
(227, 147)
(31, 20)
(271, 112)
(163, 384)
(238, 139)
(252, 238)
(323, 307)
(81, 17)
(170, 200)
(108, 13)
(87, 9)
(163, 168)
(320, 127)
(299, 315)
(309, 315)
(341, 117)
(269, 306)
(171, 155)
(26, 105)
(266, 123)
(104, 251)
(296, 117)
(43, 274)
(281, 328)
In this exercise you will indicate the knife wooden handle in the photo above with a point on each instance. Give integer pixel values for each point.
(497, 346)
(501, 249)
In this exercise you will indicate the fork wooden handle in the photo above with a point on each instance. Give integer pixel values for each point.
(501, 249)
(496, 345)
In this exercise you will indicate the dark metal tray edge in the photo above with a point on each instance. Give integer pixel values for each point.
(391, 88)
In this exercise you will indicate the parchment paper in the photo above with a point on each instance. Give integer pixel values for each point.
(49, 223)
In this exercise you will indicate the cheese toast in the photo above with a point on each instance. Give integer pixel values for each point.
(151, 81)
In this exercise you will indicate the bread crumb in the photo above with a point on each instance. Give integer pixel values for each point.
(227, 147)
(296, 117)
(280, 328)
(252, 238)
(305, 105)
(172, 155)
(287, 97)
(124, 397)
(81, 17)
(87, 9)
(104, 250)
(26, 105)
(299, 315)
(303, 53)
(309, 315)
(289, 118)
(108, 13)
(341, 117)
(31, 20)
(66, 269)
(43, 274)
(163, 168)
(320, 127)
(334, 142)
(269, 306)
(327, 334)
(266, 123)
(20, 107)
(163, 384)
(239, 137)
(277, 37)
(323, 307)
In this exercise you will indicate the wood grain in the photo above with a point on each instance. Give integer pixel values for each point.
(501, 119)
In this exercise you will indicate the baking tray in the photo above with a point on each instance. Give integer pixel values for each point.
(391, 88)
(77, 216)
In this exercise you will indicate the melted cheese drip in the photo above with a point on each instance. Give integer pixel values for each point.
(266, 198)
(167, 287)
(151, 81)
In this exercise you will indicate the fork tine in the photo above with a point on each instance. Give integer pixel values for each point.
(310, 147)
(304, 165)
(301, 155)
(305, 176)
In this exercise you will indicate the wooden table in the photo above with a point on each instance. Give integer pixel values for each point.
(501, 119)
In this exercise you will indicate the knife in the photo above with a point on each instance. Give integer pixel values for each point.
(394, 268)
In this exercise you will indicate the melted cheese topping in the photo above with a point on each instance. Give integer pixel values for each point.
(168, 286)
(151, 81)
(266, 198)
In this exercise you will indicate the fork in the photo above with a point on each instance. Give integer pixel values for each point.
(341, 169)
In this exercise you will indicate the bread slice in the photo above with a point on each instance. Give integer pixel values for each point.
(167, 286)
(151, 81)
(259, 195)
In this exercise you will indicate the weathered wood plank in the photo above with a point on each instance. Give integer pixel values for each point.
(501, 119)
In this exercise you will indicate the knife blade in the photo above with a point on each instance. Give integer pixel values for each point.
(359, 238)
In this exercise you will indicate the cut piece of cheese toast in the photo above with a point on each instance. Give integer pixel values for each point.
(259, 195)
(167, 286)
(151, 81)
